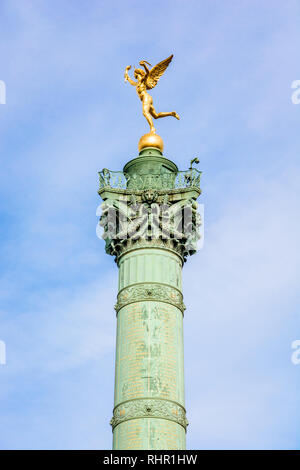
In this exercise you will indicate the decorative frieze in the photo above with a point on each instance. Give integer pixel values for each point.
(150, 291)
(149, 408)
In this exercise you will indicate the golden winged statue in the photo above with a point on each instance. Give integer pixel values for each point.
(146, 80)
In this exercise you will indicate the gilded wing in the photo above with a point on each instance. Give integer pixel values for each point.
(156, 72)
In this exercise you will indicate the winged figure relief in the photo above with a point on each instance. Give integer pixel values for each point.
(146, 80)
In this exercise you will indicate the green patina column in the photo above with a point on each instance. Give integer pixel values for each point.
(150, 222)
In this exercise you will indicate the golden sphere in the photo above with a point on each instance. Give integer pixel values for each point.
(151, 140)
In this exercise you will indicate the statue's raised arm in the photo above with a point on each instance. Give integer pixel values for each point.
(146, 80)
(143, 64)
(127, 78)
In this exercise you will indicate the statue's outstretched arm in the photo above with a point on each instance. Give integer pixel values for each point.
(127, 78)
(143, 64)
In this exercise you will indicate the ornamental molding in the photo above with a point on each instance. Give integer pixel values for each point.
(139, 408)
(150, 291)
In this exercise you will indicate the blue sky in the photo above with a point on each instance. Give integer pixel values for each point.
(68, 114)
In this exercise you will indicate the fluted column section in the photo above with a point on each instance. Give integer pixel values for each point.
(149, 408)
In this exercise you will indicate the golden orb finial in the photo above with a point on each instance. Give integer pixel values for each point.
(151, 140)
